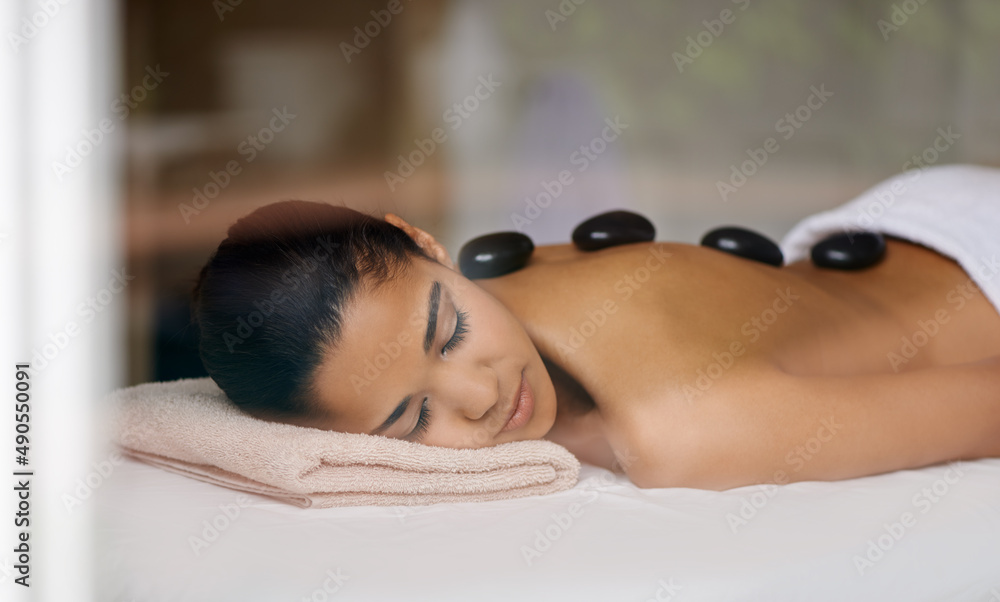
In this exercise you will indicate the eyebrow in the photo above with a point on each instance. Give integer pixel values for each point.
(433, 304)
(432, 315)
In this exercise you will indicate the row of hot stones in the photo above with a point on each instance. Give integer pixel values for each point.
(501, 253)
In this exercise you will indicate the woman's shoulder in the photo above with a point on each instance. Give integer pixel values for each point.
(627, 258)
(564, 253)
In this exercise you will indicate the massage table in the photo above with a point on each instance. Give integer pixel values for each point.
(927, 534)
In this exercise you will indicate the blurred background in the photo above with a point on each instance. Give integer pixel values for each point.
(697, 88)
(139, 130)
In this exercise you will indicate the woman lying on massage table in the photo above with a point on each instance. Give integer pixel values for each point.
(679, 364)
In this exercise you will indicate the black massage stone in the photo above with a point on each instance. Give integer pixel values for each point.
(495, 254)
(611, 229)
(744, 243)
(849, 250)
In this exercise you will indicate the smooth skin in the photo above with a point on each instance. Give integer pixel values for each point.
(681, 365)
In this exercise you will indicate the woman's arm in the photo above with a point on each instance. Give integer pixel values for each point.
(783, 428)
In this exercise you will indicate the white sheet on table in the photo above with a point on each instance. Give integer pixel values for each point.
(624, 544)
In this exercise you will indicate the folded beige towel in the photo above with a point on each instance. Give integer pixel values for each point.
(190, 427)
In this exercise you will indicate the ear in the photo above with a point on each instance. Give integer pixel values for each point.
(425, 241)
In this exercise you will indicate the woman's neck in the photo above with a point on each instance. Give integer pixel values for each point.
(571, 398)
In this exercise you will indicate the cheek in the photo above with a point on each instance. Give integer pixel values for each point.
(501, 324)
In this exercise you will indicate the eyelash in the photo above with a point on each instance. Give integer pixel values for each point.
(461, 329)
(422, 422)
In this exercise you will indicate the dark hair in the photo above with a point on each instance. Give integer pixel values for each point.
(271, 298)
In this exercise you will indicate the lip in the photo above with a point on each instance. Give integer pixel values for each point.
(523, 408)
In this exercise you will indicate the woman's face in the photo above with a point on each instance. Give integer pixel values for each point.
(432, 342)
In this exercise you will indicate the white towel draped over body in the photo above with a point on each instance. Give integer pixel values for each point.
(953, 209)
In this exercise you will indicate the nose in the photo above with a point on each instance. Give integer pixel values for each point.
(471, 392)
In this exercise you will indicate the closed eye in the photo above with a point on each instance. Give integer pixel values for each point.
(422, 421)
(461, 329)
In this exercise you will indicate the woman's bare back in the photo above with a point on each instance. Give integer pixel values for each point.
(668, 351)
